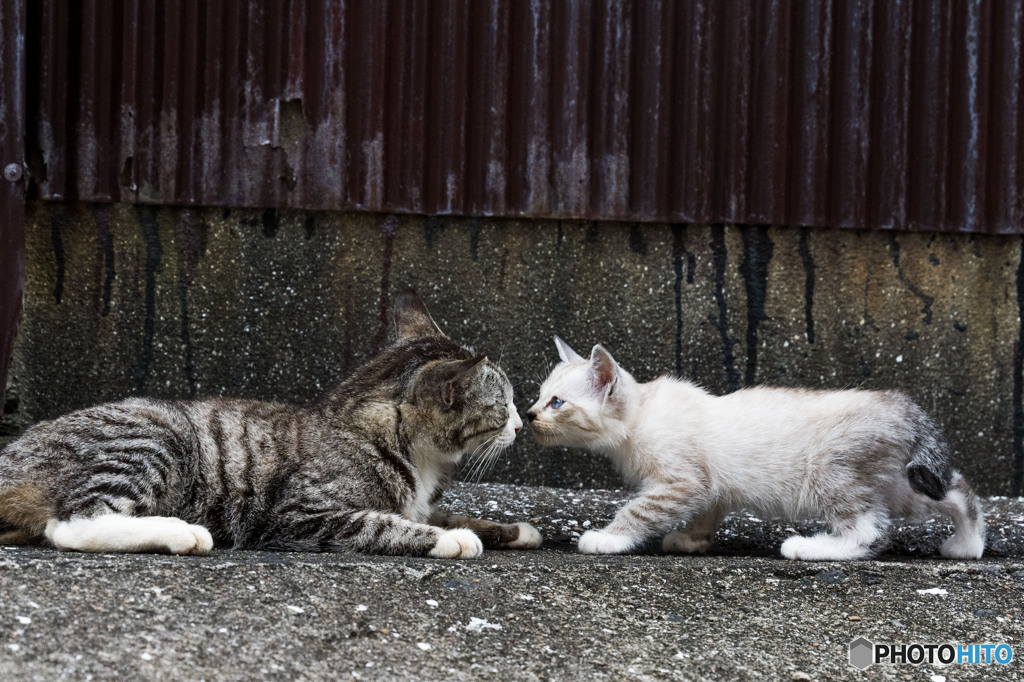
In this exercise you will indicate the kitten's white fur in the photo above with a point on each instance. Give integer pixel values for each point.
(779, 452)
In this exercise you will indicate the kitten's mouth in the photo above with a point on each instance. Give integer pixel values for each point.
(542, 437)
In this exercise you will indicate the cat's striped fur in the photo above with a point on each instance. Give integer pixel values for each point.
(360, 470)
(853, 459)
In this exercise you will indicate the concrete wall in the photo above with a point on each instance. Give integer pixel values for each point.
(280, 304)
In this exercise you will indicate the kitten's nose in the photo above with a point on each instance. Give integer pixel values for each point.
(531, 415)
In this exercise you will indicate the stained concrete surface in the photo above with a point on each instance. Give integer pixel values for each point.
(739, 613)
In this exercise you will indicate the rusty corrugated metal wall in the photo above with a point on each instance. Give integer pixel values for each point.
(12, 184)
(903, 114)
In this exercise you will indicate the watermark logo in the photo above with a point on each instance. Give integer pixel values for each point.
(864, 652)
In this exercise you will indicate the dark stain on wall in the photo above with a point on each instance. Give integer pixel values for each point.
(104, 262)
(476, 226)
(1018, 385)
(678, 252)
(269, 222)
(154, 254)
(559, 274)
(58, 221)
(433, 226)
(894, 253)
(757, 253)
(719, 260)
(637, 243)
(808, 262)
(186, 259)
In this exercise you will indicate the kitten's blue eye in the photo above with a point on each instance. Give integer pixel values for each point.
(556, 403)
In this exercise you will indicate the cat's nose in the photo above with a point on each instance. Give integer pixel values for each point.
(531, 415)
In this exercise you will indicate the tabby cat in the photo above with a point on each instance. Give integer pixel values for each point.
(853, 459)
(359, 470)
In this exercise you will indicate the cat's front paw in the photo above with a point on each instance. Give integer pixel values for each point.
(681, 543)
(459, 543)
(603, 542)
(529, 537)
(184, 538)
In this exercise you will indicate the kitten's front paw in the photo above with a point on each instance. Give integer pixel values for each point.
(681, 543)
(529, 537)
(459, 543)
(603, 542)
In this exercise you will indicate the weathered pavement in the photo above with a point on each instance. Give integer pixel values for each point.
(739, 613)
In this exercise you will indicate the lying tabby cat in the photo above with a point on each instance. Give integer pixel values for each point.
(360, 470)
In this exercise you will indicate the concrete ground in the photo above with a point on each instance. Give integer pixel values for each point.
(740, 612)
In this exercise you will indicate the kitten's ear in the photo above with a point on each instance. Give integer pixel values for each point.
(446, 377)
(604, 372)
(412, 318)
(567, 354)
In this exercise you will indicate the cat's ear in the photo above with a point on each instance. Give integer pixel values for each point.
(604, 372)
(412, 318)
(447, 376)
(567, 354)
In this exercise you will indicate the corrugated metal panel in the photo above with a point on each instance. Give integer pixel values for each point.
(854, 114)
(12, 183)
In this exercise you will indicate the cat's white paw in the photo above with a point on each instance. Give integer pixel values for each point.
(961, 546)
(459, 543)
(603, 542)
(529, 537)
(678, 542)
(184, 538)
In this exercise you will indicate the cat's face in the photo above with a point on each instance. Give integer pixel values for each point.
(461, 403)
(582, 401)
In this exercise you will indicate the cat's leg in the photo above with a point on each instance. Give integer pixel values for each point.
(653, 511)
(494, 535)
(857, 537)
(121, 533)
(696, 536)
(961, 504)
(372, 532)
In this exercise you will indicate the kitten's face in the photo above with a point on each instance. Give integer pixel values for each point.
(581, 401)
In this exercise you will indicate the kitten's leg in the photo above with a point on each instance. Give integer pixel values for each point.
(968, 538)
(857, 538)
(494, 535)
(120, 533)
(651, 512)
(696, 536)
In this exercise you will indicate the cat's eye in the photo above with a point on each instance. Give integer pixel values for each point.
(556, 402)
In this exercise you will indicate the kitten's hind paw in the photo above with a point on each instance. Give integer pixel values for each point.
(603, 542)
(529, 537)
(962, 546)
(459, 543)
(681, 543)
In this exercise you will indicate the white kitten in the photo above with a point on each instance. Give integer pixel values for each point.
(853, 459)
